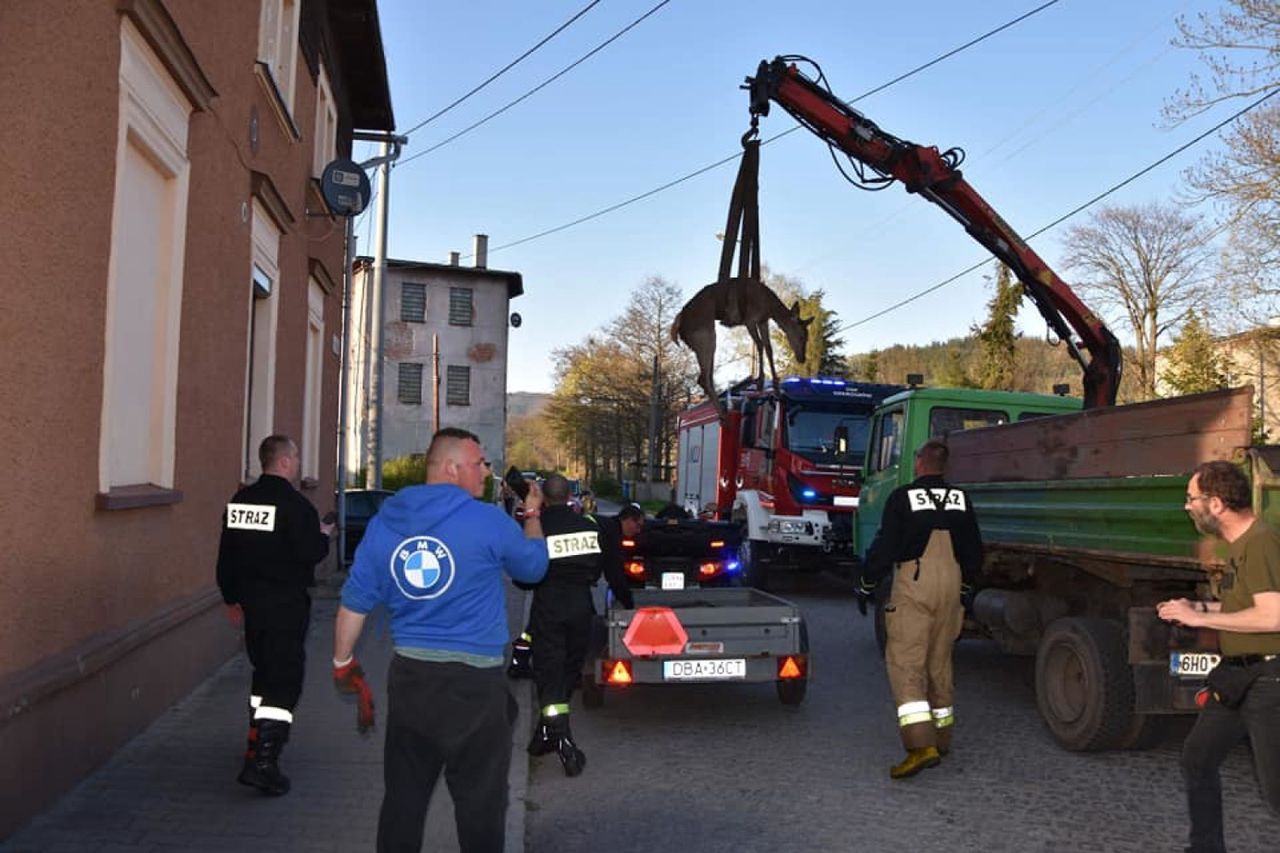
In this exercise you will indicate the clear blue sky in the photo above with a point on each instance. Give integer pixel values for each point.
(1050, 112)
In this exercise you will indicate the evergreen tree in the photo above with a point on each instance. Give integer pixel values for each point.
(1194, 363)
(997, 338)
(865, 367)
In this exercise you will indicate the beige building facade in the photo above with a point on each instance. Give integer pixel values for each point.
(172, 295)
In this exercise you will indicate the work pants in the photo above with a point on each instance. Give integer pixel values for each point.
(451, 717)
(560, 621)
(275, 635)
(1217, 731)
(922, 621)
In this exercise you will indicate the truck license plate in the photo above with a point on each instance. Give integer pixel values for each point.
(673, 580)
(704, 670)
(1192, 664)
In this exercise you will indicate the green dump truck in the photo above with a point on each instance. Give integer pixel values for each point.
(1082, 515)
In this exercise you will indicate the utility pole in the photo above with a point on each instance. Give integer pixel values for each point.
(653, 424)
(374, 477)
(344, 391)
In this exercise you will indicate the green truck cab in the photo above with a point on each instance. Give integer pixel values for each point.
(907, 420)
(1081, 513)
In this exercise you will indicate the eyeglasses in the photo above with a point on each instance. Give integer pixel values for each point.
(485, 463)
(1191, 498)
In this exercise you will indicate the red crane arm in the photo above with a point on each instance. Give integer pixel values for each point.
(936, 177)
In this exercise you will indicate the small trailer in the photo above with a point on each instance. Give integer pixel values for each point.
(700, 635)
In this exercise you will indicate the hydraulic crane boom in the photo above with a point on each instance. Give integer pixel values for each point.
(935, 176)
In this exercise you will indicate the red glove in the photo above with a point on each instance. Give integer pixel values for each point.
(349, 679)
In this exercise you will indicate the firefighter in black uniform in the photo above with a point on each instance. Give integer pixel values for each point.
(271, 540)
(929, 538)
(561, 615)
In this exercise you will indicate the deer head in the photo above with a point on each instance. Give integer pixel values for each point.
(797, 331)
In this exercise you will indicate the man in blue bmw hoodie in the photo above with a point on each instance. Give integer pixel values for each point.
(434, 557)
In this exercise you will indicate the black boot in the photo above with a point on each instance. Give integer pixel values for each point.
(262, 770)
(571, 757)
(543, 740)
(521, 665)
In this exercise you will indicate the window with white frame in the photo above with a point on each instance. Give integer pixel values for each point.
(313, 397)
(325, 145)
(278, 44)
(260, 370)
(144, 278)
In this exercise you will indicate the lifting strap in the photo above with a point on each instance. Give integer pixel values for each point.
(744, 217)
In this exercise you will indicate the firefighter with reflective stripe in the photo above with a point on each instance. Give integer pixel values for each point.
(929, 539)
(561, 615)
(272, 539)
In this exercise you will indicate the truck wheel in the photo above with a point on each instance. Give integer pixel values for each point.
(792, 692)
(754, 572)
(1084, 688)
(1146, 731)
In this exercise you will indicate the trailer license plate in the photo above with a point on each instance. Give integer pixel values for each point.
(704, 670)
(1192, 664)
(673, 580)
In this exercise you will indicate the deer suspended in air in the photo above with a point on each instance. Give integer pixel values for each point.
(737, 302)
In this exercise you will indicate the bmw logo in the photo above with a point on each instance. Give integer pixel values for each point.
(422, 567)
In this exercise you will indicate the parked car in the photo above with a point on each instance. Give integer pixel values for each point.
(362, 505)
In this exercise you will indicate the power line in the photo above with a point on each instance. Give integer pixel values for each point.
(512, 64)
(1099, 197)
(540, 86)
(766, 141)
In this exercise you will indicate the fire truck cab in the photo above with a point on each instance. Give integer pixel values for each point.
(785, 463)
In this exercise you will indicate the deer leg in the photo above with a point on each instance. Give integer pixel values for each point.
(768, 351)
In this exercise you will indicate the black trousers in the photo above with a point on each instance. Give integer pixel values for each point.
(451, 717)
(275, 635)
(560, 622)
(1217, 731)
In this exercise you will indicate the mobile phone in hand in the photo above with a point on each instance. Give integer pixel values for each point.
(516, 482)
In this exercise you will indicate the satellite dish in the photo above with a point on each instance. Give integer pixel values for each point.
(515, 320)
(345, 187)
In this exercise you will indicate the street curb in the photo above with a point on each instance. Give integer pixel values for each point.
(518, 776)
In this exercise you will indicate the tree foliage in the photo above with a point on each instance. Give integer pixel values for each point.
(1194, 363)
(607, 387)
(1240, 48)
(1145, 266)
(997, 338)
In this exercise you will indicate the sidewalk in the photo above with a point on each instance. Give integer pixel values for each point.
(173, 787)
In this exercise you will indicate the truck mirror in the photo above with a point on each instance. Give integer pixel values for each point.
(842, 440)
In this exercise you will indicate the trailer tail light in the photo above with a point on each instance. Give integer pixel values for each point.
(708, 570)
(717, 543)
(617, 672)
(792, 667)
(628, 543)
(635, 569)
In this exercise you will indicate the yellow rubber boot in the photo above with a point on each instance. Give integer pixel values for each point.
(916, 760)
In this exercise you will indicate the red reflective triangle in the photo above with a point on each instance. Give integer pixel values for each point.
(655, 631)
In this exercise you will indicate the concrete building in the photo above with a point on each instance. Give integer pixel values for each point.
(445, 350)
(172, 295)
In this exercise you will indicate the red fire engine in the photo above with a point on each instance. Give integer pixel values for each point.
(785, 464)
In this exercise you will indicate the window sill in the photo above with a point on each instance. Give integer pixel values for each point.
(136, 497)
